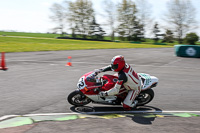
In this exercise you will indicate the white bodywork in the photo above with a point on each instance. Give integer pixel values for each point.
(147, 81)
(97, 98)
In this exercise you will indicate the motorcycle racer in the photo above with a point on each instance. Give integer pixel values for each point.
(126, 77)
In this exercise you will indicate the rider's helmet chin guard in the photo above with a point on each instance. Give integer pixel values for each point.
(117, 63)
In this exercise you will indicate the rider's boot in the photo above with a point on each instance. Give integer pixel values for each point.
(133, 105)
(129, 107)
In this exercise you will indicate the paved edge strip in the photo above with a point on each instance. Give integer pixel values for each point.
(96, 113)
(11, 121)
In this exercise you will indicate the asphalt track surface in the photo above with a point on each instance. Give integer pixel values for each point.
(39, 82)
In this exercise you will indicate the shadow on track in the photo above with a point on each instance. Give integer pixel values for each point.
(107, 109)
(140, 118)
(145, 119)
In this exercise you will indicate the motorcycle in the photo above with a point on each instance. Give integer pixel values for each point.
(89, 86)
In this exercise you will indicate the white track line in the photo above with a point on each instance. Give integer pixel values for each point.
(96, 113)
(7, 117)
(172, 62)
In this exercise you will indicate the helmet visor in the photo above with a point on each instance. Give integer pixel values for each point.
(114, 66)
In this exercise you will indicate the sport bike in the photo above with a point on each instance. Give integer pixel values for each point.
(89, 86)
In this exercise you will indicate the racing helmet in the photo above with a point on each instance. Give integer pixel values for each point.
(117, 63)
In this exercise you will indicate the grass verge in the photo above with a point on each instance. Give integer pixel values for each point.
(26, 44)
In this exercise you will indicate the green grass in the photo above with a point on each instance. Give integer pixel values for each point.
(16, 44)
(24, 34)
(25, 42)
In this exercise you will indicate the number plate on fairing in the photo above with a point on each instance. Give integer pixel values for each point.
(81, 83)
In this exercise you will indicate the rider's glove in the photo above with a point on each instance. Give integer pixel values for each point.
(103, 94)
(97, 71)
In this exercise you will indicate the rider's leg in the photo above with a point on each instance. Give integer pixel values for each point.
(129, 100)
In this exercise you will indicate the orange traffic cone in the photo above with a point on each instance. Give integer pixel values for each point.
(3, 63)
(69, 61)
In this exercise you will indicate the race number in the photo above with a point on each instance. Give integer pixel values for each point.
(81, 83)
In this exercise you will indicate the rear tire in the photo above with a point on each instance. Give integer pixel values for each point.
(145, 97)
(77, 98)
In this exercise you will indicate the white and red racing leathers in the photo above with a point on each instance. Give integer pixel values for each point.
(130, 80)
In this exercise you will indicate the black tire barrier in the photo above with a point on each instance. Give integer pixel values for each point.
(82, 39)
(160, 43)
(187, 51)
(136, 42)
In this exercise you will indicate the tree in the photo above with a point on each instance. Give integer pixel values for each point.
(168, 36)
(137, 32)
(95, 30)
(181, 15)
(191, 38)
(110, 9)
(59, 17)
(128, 22)
(156, 32)
(144, 13)
(80, 15)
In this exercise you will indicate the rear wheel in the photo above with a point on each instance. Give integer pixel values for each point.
(77, 98)
(145, 97)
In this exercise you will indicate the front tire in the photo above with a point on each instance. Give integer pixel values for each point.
(77, 98)
(145, 97)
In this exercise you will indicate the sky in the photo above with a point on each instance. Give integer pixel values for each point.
(33, 15)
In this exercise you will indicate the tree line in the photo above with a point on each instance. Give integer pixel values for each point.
(128, 20)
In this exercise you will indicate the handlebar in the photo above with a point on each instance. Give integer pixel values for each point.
(92, 77)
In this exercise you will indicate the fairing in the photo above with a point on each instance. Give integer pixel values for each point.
(147, 80)
(92, 87)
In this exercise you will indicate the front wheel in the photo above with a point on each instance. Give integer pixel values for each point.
(145, 97)
(77, 98)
